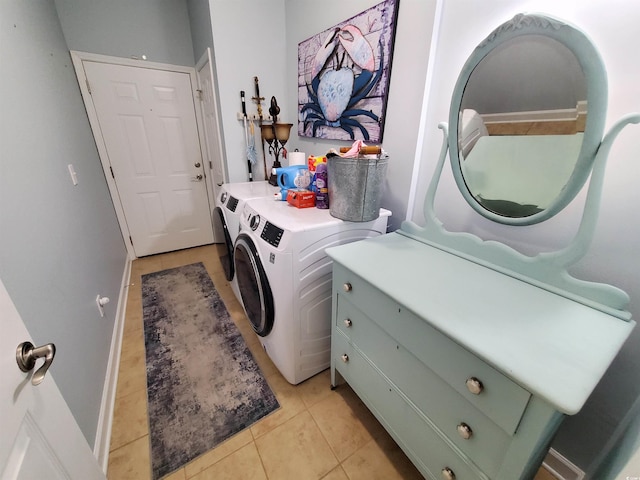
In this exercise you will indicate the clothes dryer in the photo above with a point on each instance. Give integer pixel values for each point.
(226, 218)
(284, 279)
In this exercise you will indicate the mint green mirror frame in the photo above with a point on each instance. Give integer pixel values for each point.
(596, 85)
(547, 270)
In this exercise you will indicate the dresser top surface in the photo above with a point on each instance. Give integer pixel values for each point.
(556, 348)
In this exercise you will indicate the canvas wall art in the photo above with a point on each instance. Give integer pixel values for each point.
(343, 77)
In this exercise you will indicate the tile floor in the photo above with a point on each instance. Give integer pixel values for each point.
(316, 434)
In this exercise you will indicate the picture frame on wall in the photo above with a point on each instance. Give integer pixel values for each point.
(343, 77)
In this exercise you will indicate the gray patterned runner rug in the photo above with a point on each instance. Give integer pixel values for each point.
(203, 384)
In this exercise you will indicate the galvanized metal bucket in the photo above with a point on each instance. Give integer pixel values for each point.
(355, 187)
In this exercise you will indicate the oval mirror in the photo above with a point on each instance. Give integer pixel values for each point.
(526, 119)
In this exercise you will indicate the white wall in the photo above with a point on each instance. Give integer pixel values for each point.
(60, 244)
(413, 38)
(249, 40)
(614, 256)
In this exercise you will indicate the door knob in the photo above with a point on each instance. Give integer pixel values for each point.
(197, 178)
(27, 354)
(197, 164)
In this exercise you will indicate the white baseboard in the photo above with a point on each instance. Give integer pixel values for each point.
(105, 419)
(560, 467)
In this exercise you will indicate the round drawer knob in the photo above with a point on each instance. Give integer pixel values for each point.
(447, 474)
(347, 287)
(345, 357)
(474, 385)
(465, 431)
(347, 322)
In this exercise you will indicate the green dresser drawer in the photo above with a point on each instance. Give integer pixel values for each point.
(499, 398)
(428, 449)
(466, 426)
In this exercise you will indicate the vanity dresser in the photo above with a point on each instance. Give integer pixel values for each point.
(469, 352)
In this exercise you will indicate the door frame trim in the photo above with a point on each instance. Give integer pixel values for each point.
(78, 58)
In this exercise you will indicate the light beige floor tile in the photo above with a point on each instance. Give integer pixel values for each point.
(132, 373)
(243, 464)
(316, 388)
(297, 450)
(221, 451)
(130, 419)
(130, 462)
(336, 474)
(267, 367)
(133, 315)
(180, 258)
(132, 378)
(148, 264)
(136, 271)
(380, 459)
(134, 291)
(290, 402)
(177, 475)
(132, 344)
(345, 422)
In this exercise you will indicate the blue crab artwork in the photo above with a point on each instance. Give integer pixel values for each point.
(337, 86)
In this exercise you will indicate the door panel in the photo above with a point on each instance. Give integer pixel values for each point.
(211, 132)
(148, 125)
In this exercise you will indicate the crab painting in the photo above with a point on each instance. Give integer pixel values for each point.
(343, 76)
(336, 88)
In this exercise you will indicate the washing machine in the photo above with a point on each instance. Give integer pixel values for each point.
(284, 279)
(226, 218)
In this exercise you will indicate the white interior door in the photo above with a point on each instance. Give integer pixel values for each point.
(148, 125)
(212, 131)
(39, 437)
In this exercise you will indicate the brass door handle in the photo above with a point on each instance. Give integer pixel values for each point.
(27, 354)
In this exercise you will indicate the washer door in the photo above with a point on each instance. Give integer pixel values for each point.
(253, 285)
(225, 252)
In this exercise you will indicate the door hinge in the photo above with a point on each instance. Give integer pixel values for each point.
(112, 174)
(199, 94)
(210, 165)
(88, 85)
(131, 240)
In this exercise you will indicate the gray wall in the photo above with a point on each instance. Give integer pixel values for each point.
(158, 29)
(411, 54)
(200, 23)
(60, 245)
(614, 256)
